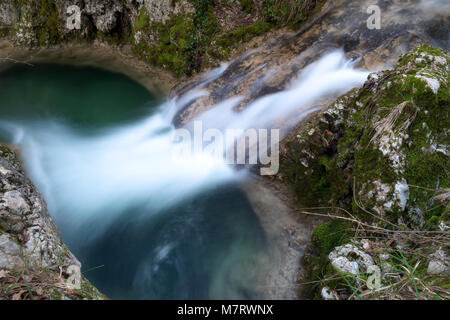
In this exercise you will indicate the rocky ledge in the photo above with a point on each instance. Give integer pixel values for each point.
(34, 262)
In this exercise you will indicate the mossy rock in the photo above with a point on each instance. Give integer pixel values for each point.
(382, 146)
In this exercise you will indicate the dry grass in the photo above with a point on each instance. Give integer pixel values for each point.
(30, 284)
(386, 125)
(294, 8)
(35, 283)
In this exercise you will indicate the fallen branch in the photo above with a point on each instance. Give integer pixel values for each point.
(16, 61)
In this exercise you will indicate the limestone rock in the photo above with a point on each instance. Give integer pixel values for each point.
(439, 263)
(160, 10)
(350, 259)
(379, 154)
(104, 13)
(9, 252)
(5, 14)
(326, 293)
(377, 141)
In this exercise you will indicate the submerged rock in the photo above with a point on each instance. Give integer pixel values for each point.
(30, 245)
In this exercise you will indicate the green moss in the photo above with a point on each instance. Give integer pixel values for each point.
(142, 20)
(182, 41)
(173, 46)
(370, 164)
(56, 295)
(244, 34)
(412, 56)
(291, 13)
(187, 44)
(316, 263)
(88, 292)
(358, 160)
(202, 43)
(338, 159)
(426, 168)
(330, 235)
(5, 151)
(40, 18)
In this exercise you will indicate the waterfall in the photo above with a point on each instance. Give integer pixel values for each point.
(93, 179)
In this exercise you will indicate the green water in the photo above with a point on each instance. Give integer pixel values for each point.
(84, 97)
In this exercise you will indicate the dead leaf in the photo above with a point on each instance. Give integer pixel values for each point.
(18, 295)
(3, 273)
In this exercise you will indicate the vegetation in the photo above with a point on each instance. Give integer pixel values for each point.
(184, 44)
(403, 267)
(40, 270)
(39, 19)
(35, 283)
(244, 34)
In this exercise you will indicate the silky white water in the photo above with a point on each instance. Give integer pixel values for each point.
(97, 183)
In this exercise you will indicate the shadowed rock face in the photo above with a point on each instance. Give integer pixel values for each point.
(340, 24)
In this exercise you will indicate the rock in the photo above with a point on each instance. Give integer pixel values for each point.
(15, 203)
(23, 215)
(366, 244)
(326, 293)
(433, 84)
(28, 236)
(379, 154)
(9, 252)
(375, 143)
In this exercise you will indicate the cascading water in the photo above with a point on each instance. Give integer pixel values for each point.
(164, 226)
